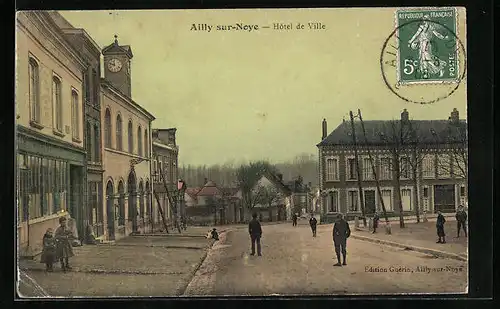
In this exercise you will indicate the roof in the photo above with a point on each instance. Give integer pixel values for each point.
(428, 131)
(229, 191)
(115, 48)
(277, 182)
(209, 189)
(192, 191)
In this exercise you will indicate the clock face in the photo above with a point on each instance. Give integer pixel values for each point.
(115, 65)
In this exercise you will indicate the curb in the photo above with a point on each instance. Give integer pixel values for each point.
(106, 271)
(167, 235)
(182, 290)
(156, 246)
(433, 252)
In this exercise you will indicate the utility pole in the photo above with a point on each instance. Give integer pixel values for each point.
(373, 168)
(357, 169)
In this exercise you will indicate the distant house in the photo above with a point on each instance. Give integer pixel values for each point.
(301, 196)
(211, 204)
(273, 199)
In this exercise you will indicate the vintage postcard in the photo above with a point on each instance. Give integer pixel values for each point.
(242, 152)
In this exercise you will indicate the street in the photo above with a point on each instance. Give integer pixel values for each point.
(294, 262)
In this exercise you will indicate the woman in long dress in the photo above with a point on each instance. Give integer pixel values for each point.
(423, 40)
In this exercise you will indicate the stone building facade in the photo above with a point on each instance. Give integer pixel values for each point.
(127, 148)
(165, 158)
(439, 156)
(51, 156)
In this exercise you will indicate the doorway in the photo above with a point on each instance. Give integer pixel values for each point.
(110, 210)
(76, 198)
(370, 202)
(132, 201)
(444, 198)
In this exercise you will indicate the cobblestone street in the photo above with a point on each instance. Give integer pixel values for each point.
(294, 262)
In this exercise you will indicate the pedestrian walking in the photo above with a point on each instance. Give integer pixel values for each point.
(376, 219)
(440, 228)
(341, 232)
(255, 231)
(313, 222)
(64, 249)
(294, 220)
(49, 250)
(461, 217)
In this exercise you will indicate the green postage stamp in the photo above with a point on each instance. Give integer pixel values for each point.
(428, 47)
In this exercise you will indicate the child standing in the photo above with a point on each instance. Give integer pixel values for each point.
(49, 250)
(64, 249)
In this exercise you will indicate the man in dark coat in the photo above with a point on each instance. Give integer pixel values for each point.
(313, 222)
(255, 231)
(341, 232)
(294, 220)
(461, 217)
(376, 219)
(440, 228)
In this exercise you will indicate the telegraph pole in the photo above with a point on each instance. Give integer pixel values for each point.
(373, 168)
(357, 169)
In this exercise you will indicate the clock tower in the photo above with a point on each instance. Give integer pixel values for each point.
(117, 60)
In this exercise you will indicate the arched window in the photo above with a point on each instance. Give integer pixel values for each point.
(57, 103)
(146, 144)
(34, 91)
(75, 114)
(88, 142)
(107, 128)
(119, 140)
(139, 141)
(130, 137)
(121, 204)
(97, 144)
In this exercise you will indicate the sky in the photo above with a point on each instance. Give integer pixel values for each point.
(248, 95)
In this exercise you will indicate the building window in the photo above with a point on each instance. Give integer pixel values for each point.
(460, 164)
(367, 169)
(155, 170)
(89, 143)
(86, 86)
(404, 167)
(57, 103)
(444, 166)
(75, 113)
(462, 191)
(428, 166)
(97, 144)
(332, 169)
(139, 141)
(34, 90)
(333, 198)
(146, 143)
(107, 128)
(130, 137)
(351, 169)
(387, 198)
(95, 87)
(385, 168)
(96, 214)
(119, 135)
(45, 186)
(352, 200)
(426, 192)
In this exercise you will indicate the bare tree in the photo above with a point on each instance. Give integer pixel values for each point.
(455, 142)
(396, 134)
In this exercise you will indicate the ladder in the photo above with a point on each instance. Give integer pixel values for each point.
(170, 201)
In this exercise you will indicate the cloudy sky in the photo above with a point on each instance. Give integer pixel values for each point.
(262, 94)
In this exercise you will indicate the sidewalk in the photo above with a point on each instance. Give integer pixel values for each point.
(139, 254)
(419, 237)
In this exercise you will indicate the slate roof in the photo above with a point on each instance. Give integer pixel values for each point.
(116, 48)
(192, 191)
(428, 131)
(277, 182)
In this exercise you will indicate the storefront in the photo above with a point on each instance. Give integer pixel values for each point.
(50, 185)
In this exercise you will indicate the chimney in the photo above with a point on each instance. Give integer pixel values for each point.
(454, 117)
(405, 116)
(323, 136)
